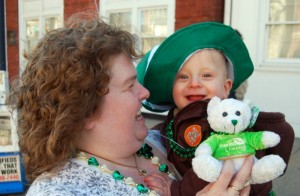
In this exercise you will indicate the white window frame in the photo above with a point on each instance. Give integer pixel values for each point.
(275, 64)
(253, 29)
(136, 6)
(36, 9)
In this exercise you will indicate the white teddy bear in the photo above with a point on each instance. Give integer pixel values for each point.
(229, 118)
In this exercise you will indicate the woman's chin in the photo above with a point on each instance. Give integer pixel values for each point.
(142, 133)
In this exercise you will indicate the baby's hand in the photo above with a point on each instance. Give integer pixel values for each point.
(159, 183)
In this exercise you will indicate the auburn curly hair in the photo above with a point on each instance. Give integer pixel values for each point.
(64, 82)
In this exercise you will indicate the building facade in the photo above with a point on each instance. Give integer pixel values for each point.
(270, 28)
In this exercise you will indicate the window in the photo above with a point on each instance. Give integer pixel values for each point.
(53, 23)
(153, 27)
(38, 17)
(32, 32)
(283, 30)
(35, 28)
(152, 21)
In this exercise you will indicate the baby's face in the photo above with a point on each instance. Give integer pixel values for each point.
(202, 76)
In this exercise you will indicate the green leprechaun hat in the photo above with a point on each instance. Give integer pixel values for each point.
(158, 68)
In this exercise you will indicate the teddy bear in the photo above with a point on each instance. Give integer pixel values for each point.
(230, 119)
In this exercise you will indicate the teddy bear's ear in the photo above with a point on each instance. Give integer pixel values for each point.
(248, 102)
(213, 102)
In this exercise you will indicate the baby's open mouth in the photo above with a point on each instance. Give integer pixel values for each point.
(195, 97)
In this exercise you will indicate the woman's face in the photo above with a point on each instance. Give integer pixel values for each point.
(119, 126)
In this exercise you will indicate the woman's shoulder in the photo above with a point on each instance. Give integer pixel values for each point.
(78, 178)
(66, 181)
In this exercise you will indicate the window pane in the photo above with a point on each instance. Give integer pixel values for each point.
(284, 41)
(153, 27)
(5, 131)
(52, 23)
(32, 32)
(284, 10)
(121, 19)
(154, 22)
(148, 43)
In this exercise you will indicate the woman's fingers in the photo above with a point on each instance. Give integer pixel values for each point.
(220, 186)
(242, 176)
(225, 176)
(161, 184)
(229, 184)
(245, 191)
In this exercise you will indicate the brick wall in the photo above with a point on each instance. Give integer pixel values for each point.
(12, 24)
(186, 13)
(193, 11)
(75, 6)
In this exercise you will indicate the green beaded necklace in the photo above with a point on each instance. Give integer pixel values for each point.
(145, 151)
(175, 147)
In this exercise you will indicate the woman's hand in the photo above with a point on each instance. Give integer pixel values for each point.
(228, 183)
(159, 183)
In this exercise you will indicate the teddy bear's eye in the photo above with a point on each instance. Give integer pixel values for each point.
(238, 113)
(224, 114)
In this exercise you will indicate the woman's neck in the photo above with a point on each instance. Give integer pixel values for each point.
(129, 166)
(128, 161)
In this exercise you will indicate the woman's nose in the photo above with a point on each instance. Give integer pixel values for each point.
(144, 93)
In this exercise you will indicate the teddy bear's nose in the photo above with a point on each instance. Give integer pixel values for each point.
(234, 122)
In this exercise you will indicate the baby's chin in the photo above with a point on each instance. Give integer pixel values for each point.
(188, 102)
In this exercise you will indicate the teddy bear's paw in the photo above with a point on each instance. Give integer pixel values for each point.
(207, 168)
(270, 139)
(267, 168)
(203, 149)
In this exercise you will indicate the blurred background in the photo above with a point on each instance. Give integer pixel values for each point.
(270, 30)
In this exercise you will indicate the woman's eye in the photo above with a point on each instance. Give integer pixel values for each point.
(130, 86)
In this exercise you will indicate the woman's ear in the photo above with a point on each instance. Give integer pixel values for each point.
(89, 124)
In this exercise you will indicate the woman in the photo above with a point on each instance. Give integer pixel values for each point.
(80, 126)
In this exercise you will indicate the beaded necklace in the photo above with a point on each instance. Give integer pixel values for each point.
(175, 147)
(146, 152)
(142, 172)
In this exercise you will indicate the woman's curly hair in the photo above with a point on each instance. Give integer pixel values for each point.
(64, 82)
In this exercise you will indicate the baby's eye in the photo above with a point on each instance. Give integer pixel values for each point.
(182, 76)
(206, 75)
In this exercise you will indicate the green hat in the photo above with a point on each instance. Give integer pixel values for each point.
(158, 68)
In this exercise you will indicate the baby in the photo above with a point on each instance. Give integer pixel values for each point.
(182, 74)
